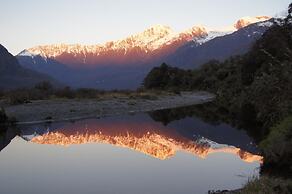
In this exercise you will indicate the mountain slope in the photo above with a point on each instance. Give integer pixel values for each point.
(193, 55)
(12, 75)
(255, 88)
(131, 50)
(124, 63)
(259, 81)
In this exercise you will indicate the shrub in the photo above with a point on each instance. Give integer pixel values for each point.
(65, 93)
(44, 86)
(277, 147)
(86, 93)
(166, 77)
(140, 89)
(267, 185)
(19, 96)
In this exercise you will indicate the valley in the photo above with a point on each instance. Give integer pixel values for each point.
(94, 101)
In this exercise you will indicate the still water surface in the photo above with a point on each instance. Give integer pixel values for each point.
(126, 154)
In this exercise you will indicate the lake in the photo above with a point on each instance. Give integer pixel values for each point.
(158, 152)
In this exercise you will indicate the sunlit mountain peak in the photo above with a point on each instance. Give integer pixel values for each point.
(157, 30)
(245, 21)
(149, 40)
(156, 41)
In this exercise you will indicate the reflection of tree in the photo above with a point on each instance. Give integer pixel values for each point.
(6, 135)
(215, 114)
(209, 112)
(202, 111)
(168, 115)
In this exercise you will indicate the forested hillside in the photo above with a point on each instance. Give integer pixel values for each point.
(257, 84)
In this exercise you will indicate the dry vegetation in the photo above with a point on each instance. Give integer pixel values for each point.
(45, 91)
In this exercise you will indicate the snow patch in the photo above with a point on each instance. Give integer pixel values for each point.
(245, 21)
(211, 35)
(26, 53)
(265, 24)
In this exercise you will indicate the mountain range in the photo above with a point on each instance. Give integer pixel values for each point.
(13, 75)
(194, 53)
(124, 63)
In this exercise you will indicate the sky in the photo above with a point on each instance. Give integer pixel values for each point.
(28, 23)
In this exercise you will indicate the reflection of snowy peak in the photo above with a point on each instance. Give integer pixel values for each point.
(155, 145)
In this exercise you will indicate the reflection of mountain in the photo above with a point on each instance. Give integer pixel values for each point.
(141, 133)
(210, 121)
(155, 145)
(6, 135)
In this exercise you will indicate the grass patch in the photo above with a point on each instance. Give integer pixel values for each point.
(267, 185)
(277, 147)
(45, 91)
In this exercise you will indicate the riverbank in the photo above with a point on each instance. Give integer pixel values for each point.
(53, 110)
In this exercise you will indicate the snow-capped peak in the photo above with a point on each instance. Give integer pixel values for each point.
(26, 53)
(245, 21)
(157, 30)
(194, 32)
(149, 40)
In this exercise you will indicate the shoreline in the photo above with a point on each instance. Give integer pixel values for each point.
(57, 110)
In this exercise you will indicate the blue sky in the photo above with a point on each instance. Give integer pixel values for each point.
(27, 23)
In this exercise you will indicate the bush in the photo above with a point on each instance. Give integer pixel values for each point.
(65, 93)
(140, 89)
(44, 86)
(125, 92)
(19, 96)
(166, 77)
(267, 185)
(277, 147)
(86, 93)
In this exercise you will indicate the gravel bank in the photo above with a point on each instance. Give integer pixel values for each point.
(65, 109)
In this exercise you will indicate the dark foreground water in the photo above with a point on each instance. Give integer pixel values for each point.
(133, 154)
